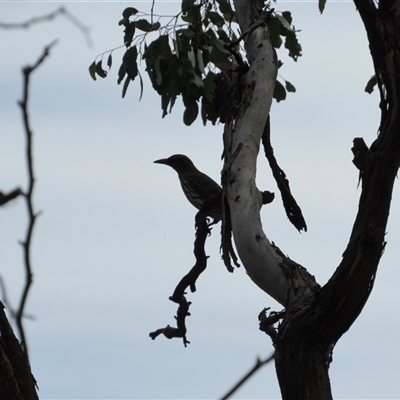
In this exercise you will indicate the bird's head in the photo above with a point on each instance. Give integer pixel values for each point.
(179, 162)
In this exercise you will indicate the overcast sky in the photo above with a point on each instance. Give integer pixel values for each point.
(116, 234)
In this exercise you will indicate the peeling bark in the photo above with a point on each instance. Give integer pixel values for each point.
(274, 273)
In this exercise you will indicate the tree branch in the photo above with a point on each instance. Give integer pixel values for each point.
(29, 194)
(49, 17)
(189, 280)
(258, 364)
(5, 198)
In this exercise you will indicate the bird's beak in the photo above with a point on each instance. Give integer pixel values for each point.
(162, 161)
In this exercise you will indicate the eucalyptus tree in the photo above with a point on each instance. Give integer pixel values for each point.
(230, 77)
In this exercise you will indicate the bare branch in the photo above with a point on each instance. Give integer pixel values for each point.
(259, 363)
(189, 280)
(180, 331)
(49, 17)
(29, 194)
(5, 198)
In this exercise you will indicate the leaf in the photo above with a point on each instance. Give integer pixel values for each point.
(141, 86)
(109, 61)
(164, 104)
(190, 12)
(288, 16)
(129, 59)
(129, 32)
(279, 92)
(143, 25)
(292, 44)
(126, 84)
(219, 55)
(186, 4)
(274, 32)
(321, 5)
(92, 70)
(215, 18)
(196, 79)
(192, 57)
(155, 26)
(370, 84)
(146, 26)
(126, 14)
(284, 22)
(209, 86)
(226, 10)
(190, 113)
(157, 70)
(100, 71)
(159, 47)
(223, 36)
(121, 73)
(290, 87)
(200, 60)
(129, 11)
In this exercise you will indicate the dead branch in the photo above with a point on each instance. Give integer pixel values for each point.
(62, 11)
(259, 363)
(189, 280)
(180, 331)
(5, 198)
(26, 244)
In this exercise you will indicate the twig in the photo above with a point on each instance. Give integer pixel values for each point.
(152, 10)
(180, 331)
(49, 17)
(29, 194)
(5, 198)
(259, 363)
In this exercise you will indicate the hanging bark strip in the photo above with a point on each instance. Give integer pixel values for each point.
(292, 209)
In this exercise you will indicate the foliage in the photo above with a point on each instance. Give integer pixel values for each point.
(195, 55)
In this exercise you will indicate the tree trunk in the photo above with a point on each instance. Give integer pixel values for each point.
(315, 318)
(16, 380)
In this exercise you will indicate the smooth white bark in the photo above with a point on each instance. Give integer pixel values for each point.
(259, 257)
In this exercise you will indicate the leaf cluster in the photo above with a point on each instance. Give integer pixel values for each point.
(193, 56)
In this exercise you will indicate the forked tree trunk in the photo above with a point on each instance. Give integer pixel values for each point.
(315, 317)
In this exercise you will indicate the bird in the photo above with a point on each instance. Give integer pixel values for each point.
(197, 186)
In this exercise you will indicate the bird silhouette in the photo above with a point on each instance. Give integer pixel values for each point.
(197, 186)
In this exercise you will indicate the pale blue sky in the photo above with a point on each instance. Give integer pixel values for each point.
(116, 233)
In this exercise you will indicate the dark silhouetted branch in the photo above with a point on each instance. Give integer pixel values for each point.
(5, 198)
(189, 280)
(292, 209)
(16, 354)
(26, 244)
(180, 331)
(259, 363)
(13, 366)
(49, 17)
